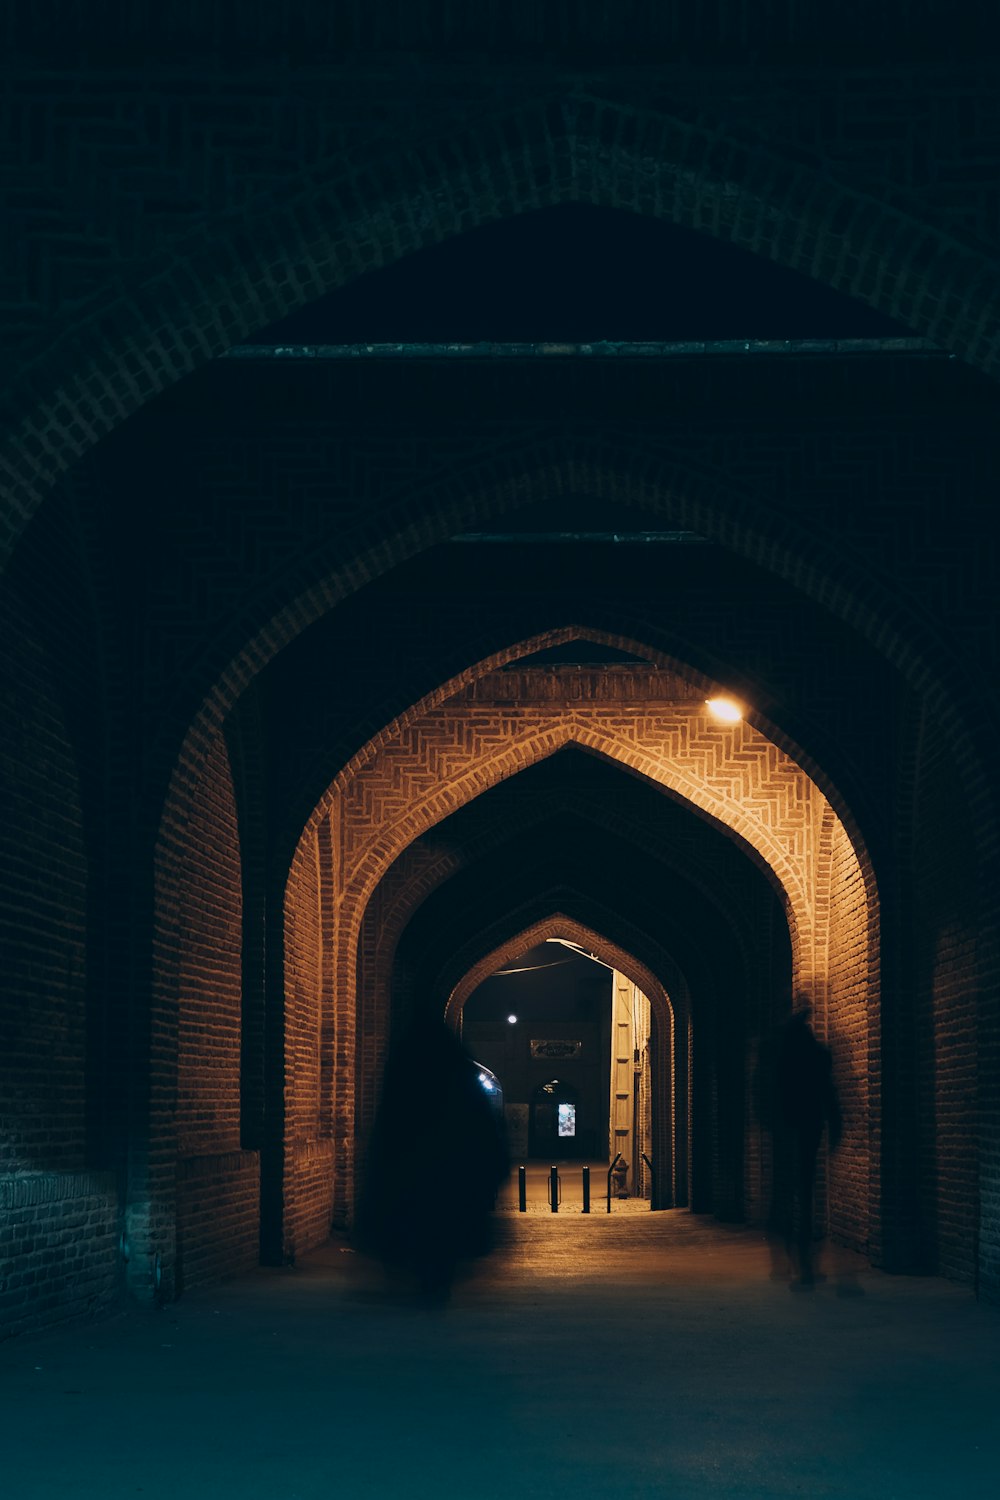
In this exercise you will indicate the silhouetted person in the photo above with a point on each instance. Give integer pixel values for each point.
(436, 1159)
(804, 1100)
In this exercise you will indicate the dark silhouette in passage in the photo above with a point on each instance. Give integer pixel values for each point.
(803, 1101)
(436, 1159)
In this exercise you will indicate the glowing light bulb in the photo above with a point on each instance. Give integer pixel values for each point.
(512, 1020)
(724, 709)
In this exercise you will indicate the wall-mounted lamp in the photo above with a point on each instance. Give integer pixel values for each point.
(727, 710)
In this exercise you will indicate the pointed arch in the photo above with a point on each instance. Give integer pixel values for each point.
(671, 1135)
(559, 924)
(437, 764)
(432, 764)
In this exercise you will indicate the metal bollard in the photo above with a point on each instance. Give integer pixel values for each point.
(586, 1190)
(610, 1170)
(554, 1188)
(522, 1191)
(652, 1180)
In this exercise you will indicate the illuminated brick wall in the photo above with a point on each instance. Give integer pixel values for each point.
(201, 888)
(849, 1026)
(308, 1173)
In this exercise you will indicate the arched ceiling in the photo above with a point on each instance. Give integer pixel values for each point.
(203, 539)
(599, 807)
(667, 993)
(701, 605)
(317, 226)
(213, 521)
(564, 864)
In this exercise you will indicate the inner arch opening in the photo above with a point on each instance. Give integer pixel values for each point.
(585, 1059)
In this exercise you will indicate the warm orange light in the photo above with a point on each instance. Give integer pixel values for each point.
(725, 709)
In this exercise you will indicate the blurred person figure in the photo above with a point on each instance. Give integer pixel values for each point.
(436, 1160)
(803, 1101)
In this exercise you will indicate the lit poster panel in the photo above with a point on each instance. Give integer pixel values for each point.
(567, 1119)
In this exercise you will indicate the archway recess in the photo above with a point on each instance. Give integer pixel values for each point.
(669, 1042)
(436, 759)
(642, 872)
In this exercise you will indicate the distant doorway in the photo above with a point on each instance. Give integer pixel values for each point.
(555, 1128)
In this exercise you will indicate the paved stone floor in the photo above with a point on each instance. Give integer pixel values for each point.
(622, 1356)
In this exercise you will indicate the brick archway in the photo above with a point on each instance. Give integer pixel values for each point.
(557, 925)
(430, 764)
(693, 500)
(423, 874)
(435, 763)
(669, 1040)
(407, 895)
(688, 495)
(324, 229)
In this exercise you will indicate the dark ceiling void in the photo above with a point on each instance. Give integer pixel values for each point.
(546, 982)
(457, 928)
(579, 273)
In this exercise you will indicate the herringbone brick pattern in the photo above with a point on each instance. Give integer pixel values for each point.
(730, 772)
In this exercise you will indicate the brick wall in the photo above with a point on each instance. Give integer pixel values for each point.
(851, 986)
(944, 1005)
(59, 1255)
(218, 1209)
(204, 1203)
(209, 926)
(308, 1152)
(217, 1184)
(44, 874)
(60, 1222)
(312, 1170)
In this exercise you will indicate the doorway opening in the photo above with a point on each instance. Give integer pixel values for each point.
(568, 1038)
(552, 1123)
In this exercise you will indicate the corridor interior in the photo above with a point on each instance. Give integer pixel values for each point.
(499, 549)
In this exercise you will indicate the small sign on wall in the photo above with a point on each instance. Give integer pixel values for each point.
(555, 1049)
